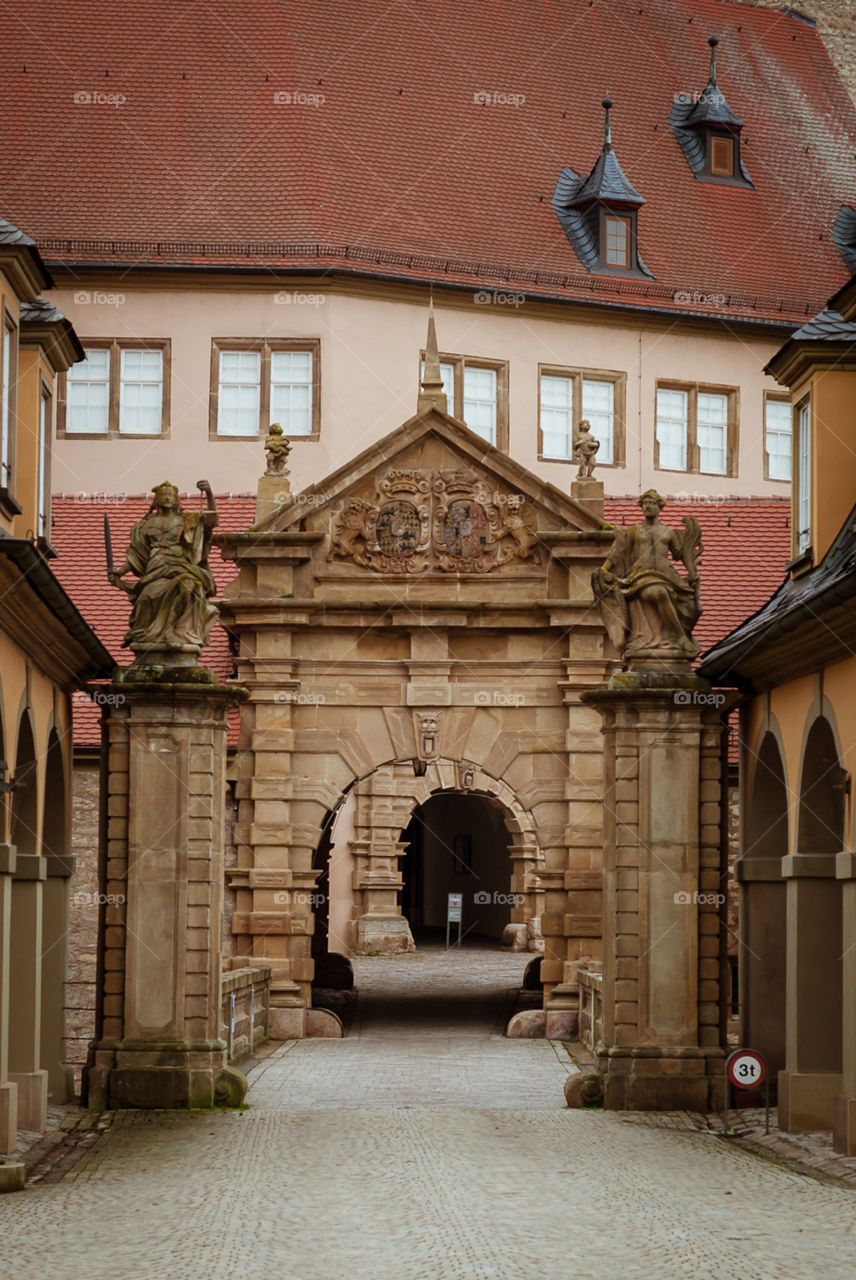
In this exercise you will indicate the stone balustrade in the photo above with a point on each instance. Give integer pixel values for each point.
(244, 1010)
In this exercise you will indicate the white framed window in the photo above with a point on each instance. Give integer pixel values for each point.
(6, 442)
(88, 394)
(617, 242)
(712, 433)
(598, 405)
(140, 392)
(557, 416)
(476, 393)
(239, 393)
(291, 378)
(804, 476)
(778, 442)
(672, 424)
(480, 401)
(255, 383)
(43, 514)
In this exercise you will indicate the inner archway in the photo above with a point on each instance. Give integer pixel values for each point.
(457, 843)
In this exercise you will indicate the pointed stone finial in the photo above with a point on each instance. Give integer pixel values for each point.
(432, 395)
(607, 128)
(713, 42)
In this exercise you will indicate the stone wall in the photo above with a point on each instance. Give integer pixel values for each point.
(836, 23)
(83, 917)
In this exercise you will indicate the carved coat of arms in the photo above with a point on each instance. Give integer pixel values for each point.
(445, 521)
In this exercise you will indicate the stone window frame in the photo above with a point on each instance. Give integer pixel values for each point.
(265, 347)
(578, 375)
(780, 399)
(732, 435)
(9, 506)
(500, 367)
(116, 346)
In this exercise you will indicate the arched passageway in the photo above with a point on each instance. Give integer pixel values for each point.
(763, 913)
(814, 911)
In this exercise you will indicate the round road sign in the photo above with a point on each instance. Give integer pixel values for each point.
(746, 1069)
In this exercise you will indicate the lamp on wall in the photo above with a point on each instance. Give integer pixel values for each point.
(5, 787)
(840, 780)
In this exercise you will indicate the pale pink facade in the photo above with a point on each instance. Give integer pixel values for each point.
(369, 338)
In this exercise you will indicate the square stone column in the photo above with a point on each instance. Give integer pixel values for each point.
(662, 896)
(8, 1089)
(25, 995)
(844, 1104)
(159, 1042)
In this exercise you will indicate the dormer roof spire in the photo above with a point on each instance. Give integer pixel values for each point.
(432, 395)
(713, 41)
(607, 128)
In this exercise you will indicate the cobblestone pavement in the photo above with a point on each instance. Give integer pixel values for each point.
(422, 1147)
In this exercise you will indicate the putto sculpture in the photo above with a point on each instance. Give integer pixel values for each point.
(277, 449)
(172, 613)
(585, 450)
(648, 607)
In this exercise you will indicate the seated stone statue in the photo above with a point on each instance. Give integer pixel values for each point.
(648, 607)
(169, 547)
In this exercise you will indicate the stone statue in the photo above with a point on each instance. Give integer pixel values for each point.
(585, 448)
(648, 607)
(172, 614)
(277, 448)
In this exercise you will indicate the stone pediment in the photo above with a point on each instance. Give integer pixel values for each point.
(431, 498)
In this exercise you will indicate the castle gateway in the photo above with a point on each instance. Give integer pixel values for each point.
(415, 633)
(429, 712)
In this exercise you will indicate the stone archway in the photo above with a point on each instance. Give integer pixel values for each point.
(382, 675)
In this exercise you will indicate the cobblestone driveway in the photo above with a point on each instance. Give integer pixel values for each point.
(423, 1147)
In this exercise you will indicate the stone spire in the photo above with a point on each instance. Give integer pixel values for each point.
(432, 395)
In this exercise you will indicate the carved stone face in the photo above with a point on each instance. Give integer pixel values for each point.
(650, 509)
(166, 495)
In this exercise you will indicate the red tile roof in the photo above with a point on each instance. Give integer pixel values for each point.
(746, 544)
(162, 140)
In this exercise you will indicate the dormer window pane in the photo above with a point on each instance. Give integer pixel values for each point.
(804, 490)
(712, 433)
(672, 420)
(598, 405)
(480, 402)
(88, 391)
(722, 157)
(617, 242)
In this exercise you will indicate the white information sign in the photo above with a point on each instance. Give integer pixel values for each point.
(454, 908)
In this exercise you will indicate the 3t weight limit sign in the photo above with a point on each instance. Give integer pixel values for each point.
(746, 1069)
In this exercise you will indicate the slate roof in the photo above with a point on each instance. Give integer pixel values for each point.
(746, 542)
(436, 148)
(844, 235)
(827, 324)
(11, 235)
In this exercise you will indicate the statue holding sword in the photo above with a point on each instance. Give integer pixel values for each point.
(172, 613)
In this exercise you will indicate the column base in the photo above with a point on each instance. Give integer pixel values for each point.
(806, 1100)
(166, 1075)
(383, 935)
(646, 1078)
(8, 1117)
(32, 1099)
(844, 1125)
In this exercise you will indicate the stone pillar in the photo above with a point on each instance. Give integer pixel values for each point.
(844, 1105)
(377, 854)
(763, 948)
(160, 1040)
(8, 1089)
(25, 995)
(661, 994)
(54, 953)
(812, 1076)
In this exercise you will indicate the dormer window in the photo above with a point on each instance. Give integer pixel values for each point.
(708, 132)
(617, 241)
(598, 213)
(720, 154)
